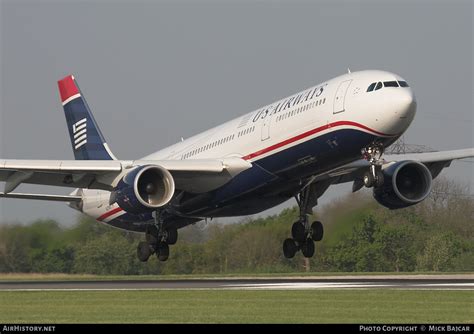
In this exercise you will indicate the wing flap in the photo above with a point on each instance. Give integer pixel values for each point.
(77, 166)
(190, 175)
(96, 166)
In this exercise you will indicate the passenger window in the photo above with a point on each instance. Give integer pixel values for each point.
(403, 84)
(371, 87)
(390, 84)
(379, 85)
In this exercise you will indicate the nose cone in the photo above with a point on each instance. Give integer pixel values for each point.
(402, 109)
(405, 105)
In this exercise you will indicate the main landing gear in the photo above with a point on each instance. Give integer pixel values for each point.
(374, 176)
(303, 233)
(157, 239)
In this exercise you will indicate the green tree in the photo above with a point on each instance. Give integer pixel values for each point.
(56, 260)
(108, 254)
(359, 251)
(14, 249)
(397, 247)
(439, 252)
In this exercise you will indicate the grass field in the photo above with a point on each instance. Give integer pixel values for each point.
(225, 306)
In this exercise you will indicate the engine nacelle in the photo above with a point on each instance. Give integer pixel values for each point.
(405, 183)
(144, 189)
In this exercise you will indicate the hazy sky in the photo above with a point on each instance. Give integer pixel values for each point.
(155, 71)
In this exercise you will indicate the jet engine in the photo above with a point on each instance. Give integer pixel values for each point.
(144, 189)
(405, 183)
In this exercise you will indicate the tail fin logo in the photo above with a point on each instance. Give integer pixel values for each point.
(79, 130)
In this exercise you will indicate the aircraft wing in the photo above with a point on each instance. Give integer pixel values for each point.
(189, 175)
(353, 172)
(44, 197)
(432, 157)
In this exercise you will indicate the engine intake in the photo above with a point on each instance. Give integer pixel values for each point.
(144, 189)
(405, 183)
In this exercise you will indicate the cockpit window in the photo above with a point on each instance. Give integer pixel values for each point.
(377, 85)
(390, 84)
(403, 84)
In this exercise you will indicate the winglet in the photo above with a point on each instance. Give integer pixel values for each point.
(68, 89)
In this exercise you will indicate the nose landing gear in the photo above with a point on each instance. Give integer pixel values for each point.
(374, 176)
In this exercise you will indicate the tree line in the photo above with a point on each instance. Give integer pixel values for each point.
(360, 235)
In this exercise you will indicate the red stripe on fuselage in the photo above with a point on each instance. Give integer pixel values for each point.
(309, 133)
(67, 88)
(110, 213)
(281, 144)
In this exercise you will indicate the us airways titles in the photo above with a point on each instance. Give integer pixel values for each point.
(289, 102)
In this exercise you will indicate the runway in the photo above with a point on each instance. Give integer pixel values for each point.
(425, 282)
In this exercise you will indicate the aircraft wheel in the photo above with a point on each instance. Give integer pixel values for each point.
(308, 248)
(298, 232)
(317, 231)
(143, 251)
(172, 236)
(369, 179)
(163, 252)
(289, 248)
(378, 179)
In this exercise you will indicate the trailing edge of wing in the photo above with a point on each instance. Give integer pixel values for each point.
(58, 198)
(190, 175)
(62, 165)
(98, 166)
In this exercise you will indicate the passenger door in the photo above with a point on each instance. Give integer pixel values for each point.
(266, 125)
(341, 96)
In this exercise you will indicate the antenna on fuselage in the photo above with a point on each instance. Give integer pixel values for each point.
(348, 70)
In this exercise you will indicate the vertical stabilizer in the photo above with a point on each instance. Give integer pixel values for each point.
(87, 141)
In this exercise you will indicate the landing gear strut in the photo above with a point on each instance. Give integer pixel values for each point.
(157, 239)
(374, 176)
(303, 233)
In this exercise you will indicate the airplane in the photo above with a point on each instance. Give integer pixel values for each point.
(296, 147)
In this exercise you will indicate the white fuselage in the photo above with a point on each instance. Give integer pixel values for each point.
(384, 110)
(336, 104)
